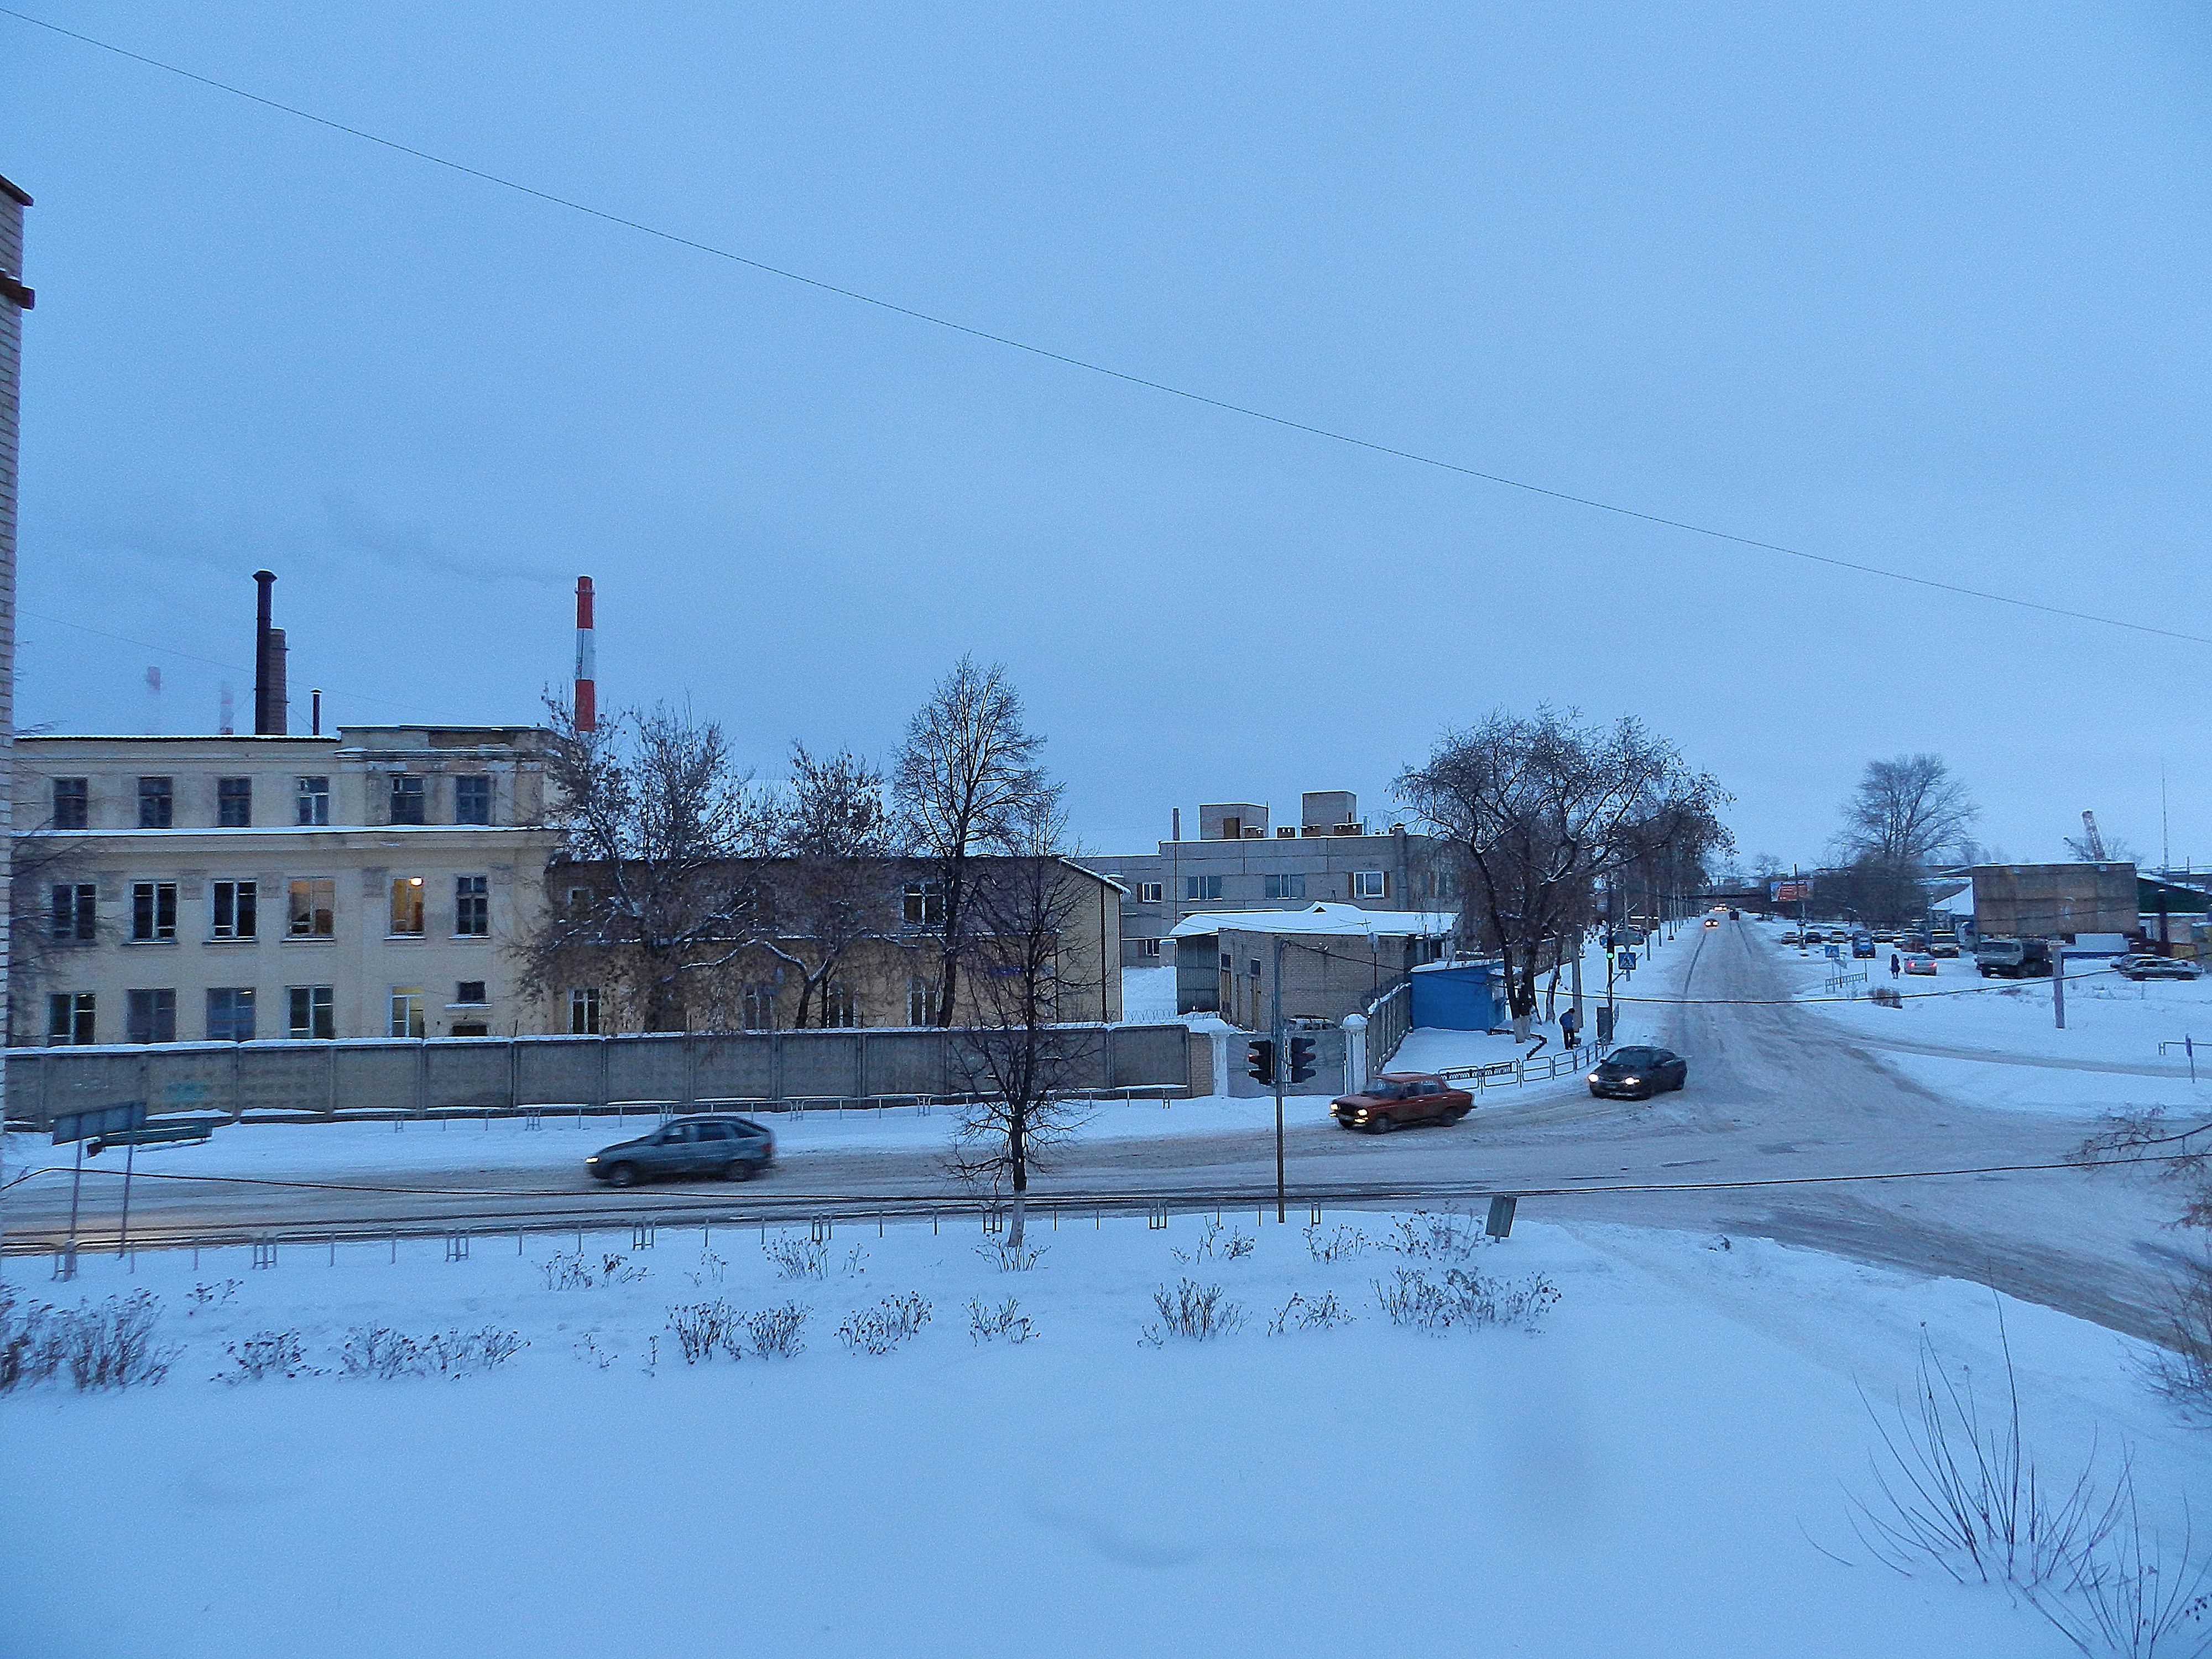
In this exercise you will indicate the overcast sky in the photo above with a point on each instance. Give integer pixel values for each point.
(1920, 287)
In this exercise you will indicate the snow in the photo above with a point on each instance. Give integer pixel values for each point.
(1148, 995)
(1323, 921)
(1658, 1471)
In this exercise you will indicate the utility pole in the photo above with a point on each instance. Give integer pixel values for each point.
(2058, 981)
(1282, 1065)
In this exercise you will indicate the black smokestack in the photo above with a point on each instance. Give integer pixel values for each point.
(269, 699)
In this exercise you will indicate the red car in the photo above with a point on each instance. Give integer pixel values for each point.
(1396, 1099)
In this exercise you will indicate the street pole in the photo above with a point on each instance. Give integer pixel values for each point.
(2058, 983)
(1577, 1004)
(77, 1180)
(130, 1153)
(1282, 1063)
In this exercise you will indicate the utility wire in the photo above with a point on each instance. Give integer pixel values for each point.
(1091, 366)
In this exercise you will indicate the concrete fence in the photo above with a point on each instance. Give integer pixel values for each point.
(398, 1075)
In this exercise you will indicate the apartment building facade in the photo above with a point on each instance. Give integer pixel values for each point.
(1241, 860)
(231, 888)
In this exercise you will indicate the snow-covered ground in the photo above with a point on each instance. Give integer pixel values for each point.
(1148, 995)
(1661, 1470)
(2004, 1048)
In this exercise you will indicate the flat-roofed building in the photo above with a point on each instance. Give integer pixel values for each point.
(232, 888)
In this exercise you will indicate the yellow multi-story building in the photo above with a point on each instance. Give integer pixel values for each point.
(187, 888)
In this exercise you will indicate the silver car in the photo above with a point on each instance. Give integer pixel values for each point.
(732, 1148)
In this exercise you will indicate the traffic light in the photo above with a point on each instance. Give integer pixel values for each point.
(1302, 1059)
(1260, 1060)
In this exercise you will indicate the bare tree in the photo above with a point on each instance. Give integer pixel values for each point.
(1540, 806)
(653, 892)
(833, 838)
(1016, 1055)
(965, 783)
(1907, 812)
(45, 923)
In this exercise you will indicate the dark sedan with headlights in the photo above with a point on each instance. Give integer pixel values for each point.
(1639, 1073)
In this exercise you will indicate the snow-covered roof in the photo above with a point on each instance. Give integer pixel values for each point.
(1330, 920)
(1961, 903)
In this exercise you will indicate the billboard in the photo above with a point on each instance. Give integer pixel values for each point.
(1791, 891)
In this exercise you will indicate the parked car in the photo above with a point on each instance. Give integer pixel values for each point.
(1791, 936)
(2144, 967)
(1919, 962)
(733, 1148)
(1398, 1099)
(1885, 935)
(1639, 1073)
(1913, 941)
(1862, 944)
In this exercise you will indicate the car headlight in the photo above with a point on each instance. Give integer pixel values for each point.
(593, 1158)
(1594, 1077)
(1632, 1081)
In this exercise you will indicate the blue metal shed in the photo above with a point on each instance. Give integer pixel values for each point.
(1456, 996)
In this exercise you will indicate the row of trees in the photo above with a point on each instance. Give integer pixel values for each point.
(679, 872)
(1545, 814)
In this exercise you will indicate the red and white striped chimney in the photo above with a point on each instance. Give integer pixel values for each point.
(587, 689)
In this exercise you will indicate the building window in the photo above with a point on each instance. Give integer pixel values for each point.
(1252, 967)
(1200, 890)
(230, 1014)
(838, 1006)
(759, 1012)
(1441, 884)
(924, 904)
(313, 802)
(407, 907)
(472, 907)
(68, 1018)
(150, 1017)
(921, 1001)
(407, 799)
(407, 1011)
(584, 1011)
(314, 1011)
(580, 902)
(469, 993)
(1150, 892)
(1370, 884)
(472, 800)
(1228, 963)
(314, 910)
(234, 909)
(157, 803)
(153, 912)
(1285, 887)
(76, 914)
(72, 803)
(234, 803)
(1148, 947)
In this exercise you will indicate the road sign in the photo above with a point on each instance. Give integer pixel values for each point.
(99, 1121)
(1834, 952)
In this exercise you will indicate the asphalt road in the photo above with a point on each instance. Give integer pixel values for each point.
(1776, 1094)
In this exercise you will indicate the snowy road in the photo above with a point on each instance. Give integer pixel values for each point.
(1777, 1094)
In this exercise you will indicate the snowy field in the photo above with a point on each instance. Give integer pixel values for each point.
(1657, 1469)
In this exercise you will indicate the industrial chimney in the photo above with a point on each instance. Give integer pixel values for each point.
(587, 669)
(269, 701)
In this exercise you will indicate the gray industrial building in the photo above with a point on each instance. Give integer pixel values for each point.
(1243, 861)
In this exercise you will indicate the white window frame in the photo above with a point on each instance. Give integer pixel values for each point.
(1361, 880)
(584, 1010)
(409, 1011)
(1152, 892)
(320, 1002)
(227, 901)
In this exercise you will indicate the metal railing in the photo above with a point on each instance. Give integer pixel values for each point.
(1523, 1069)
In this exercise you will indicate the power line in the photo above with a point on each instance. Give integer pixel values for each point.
(1091, 366)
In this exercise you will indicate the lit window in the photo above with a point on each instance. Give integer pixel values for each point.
(313, 909)
(407, 907)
